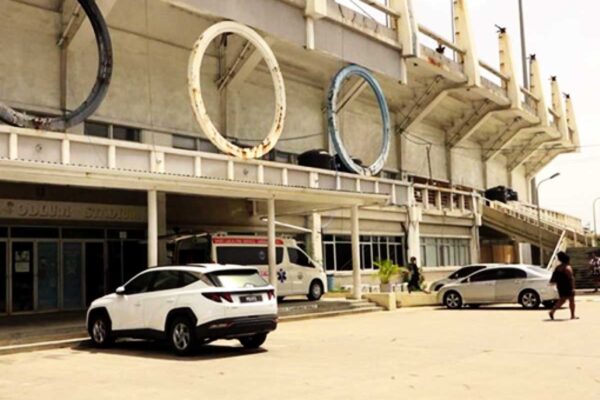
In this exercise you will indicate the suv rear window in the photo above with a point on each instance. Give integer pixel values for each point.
(247, 255)
(237, 279)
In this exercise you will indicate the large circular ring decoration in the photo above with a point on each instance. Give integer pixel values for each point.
(194, 85)
(97, 94)
(334, 132)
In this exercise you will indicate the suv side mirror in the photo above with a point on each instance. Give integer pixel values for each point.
(120, 290)
(466, 280)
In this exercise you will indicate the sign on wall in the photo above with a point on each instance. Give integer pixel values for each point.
(54, 210)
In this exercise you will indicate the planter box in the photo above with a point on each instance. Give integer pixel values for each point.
(416, 299)
(385, 300)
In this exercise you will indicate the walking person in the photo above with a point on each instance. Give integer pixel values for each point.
(414, 283)
(595, 268)
(564, 279)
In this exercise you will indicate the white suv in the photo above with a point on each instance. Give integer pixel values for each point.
(187, 305)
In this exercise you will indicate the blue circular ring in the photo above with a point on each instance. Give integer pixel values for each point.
(334, 133)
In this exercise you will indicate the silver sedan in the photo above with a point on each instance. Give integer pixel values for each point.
(527, 285)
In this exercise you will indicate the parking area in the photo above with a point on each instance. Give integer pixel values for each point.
(421, 353)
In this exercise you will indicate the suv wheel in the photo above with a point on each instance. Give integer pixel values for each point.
(315, 291)
(100, 330)
(181, 336)
(529, 299)
(452, 300)
(254, 341)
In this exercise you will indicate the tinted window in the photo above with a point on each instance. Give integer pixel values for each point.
(511, 273)
(95, 129)
(488, 275)
(187, 278)
(299, 258)
(166, 280)
(125, 133)
(140, 284)
(246, 255)
(238, 279)
(466, 271)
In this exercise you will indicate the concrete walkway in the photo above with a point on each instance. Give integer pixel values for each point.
(418, 353)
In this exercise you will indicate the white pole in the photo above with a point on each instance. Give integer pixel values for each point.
(357, 291)
(152, 228)
(271, 242)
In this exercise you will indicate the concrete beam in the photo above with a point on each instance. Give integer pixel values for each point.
(535, 87)
(495, 145)
(518, 158)
(572, 122)
(427, 100)
(242, 67)
(470, 122)
(558, 108)
(406, 26)
(463, 38)
(508, 70)
(351, 94)
(82, 35)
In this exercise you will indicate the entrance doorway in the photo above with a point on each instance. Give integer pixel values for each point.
(22, 276)
(94, 271)
(3, 279)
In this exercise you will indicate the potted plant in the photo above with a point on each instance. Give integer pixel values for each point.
(387, 269)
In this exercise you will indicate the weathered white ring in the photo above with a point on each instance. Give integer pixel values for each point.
(195, 89)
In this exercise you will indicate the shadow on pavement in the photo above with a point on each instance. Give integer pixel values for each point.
(161, 350)
(496, 308)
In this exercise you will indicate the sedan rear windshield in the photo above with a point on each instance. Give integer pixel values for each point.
(238, 279)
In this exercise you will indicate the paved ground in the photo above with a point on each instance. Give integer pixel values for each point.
(426, 353)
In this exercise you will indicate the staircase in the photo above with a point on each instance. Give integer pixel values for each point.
(295, 310)
(520, 221)
(580, 263)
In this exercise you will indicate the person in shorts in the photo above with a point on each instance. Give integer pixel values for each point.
(564, 279)
(595, 268)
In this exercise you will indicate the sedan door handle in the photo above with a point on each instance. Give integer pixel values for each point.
(170, 301)
(137, 304)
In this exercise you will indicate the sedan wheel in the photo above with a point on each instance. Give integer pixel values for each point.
(530, 299)
(452, 300)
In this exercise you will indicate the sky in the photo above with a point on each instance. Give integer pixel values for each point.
(562, 34)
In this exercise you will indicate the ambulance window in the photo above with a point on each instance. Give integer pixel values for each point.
(299, 258)
(246, 255)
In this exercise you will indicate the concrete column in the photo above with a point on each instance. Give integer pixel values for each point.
(477, 222)
(415, 217)
(162, 227)
(152, 228)
(316, 239)
(271, 242)
(356, 269)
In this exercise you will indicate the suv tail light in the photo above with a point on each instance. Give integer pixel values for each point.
(270, 294)
(218, 297)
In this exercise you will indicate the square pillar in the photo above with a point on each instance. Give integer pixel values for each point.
(162, 228)
(316, 238)
(415, 216)
(271, 242)
(152, 228)
(356, 268)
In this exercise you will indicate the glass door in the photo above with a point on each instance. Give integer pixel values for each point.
(72, 280)
(22, 276)
(94, 271)
(47, 275)
(3, 279)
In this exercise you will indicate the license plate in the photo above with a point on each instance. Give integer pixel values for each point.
(250, 298)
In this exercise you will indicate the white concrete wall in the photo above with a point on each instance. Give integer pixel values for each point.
(149, 90)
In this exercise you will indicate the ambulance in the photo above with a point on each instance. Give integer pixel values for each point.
(296, 272)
